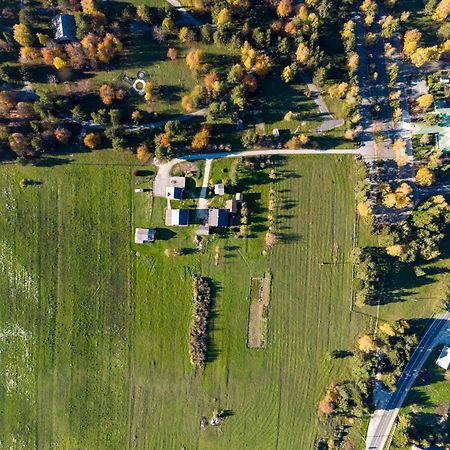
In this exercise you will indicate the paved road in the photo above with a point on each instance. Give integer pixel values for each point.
(383, 420)
(328, 121)
(203, 201)
(162, 177)
(186, 17)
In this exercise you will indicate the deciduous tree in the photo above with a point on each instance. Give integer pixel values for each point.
(92, 140)
(22, 35)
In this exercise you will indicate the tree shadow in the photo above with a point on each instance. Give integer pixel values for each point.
(213, 349)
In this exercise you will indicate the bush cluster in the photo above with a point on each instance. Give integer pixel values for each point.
(200, 311)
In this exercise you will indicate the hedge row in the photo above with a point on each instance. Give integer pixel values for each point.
(200, 311)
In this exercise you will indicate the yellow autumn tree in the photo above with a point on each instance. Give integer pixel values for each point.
(223, 18)
(92, 140)
(386, 328)
(366, 344)
(194, 59)
(22, 35)
(364, 210)
(302, 53)
(411, 41)
(59, 63)
(442, 11)
(284, 8)
(425, 177)
(394, 250)
(262, 66)
(248, 55)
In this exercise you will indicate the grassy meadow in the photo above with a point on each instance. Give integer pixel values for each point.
(96, 337)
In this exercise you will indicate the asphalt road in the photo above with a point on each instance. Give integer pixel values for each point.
(383, 420)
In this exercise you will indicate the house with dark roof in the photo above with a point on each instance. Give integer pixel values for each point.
(218, 217)
(174, 193)
(64, 27)
(177, 217)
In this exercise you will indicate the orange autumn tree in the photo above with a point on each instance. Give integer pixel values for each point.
(201, 139)
(107, 94)
(92, 140)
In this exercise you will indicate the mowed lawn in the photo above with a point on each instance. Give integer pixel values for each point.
(93, 339)
(270, 395)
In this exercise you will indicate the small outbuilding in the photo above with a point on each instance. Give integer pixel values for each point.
(174, 193)
(239, 197)
(64, 27)
(232, 206)
(276, 133)
(219, 189)
(218, 217)
(144, 235)
(444, 358)
(177, 217)
(179, 182)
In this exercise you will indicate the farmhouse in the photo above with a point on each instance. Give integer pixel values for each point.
(444, 358)
(218, 218)
(177, 217)
(174, 193)
(65, 28)
(144, 235)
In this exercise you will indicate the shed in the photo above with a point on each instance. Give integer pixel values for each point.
(177, 217)
(64, 27)
(219, 189)
(174, 193)
(276, 133)
(444, 358)
(179, 182)
(239, 197)
(232, 206)
(144, 235)
(218, 218)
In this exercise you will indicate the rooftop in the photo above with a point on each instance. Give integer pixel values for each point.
(444, 358)
(219, 189)
(144, 235)
(174, 192)
(218, 218)
(65, 28)
(179, 182)
(177, 217)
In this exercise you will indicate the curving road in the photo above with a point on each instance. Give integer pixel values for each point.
(383, 420)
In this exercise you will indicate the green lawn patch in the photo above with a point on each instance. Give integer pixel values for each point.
(90, 330)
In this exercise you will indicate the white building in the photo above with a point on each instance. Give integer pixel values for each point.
(444, 358)
(144, 235)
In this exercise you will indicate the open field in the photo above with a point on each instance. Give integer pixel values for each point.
(65, 312)
(89, 330)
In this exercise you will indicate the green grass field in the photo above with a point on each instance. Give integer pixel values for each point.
(96, 337)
